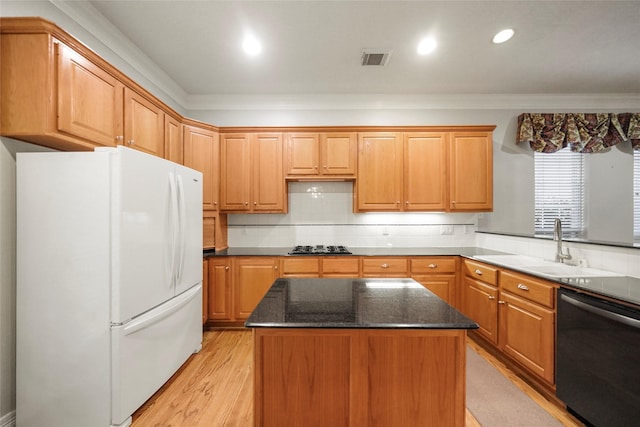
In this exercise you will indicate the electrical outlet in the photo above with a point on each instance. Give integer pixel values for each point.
(385, 231)
(446, 229)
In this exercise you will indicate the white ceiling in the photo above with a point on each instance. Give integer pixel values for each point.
(314, 47)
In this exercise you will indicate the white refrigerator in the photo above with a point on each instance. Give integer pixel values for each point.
(109, 283)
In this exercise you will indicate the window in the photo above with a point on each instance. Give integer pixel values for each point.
(559, 192)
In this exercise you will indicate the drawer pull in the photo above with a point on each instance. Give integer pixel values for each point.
(433, 265)
(385, 266)
(523, 287)
(492, 297)
(478, 272)
(501, 302)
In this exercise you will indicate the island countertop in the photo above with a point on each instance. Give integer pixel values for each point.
(354, 303)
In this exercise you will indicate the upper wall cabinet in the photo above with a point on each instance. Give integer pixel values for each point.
(424, 171)
(201, 152)
(252, 178)
(58, 93)
(471, 171)
(320, 156)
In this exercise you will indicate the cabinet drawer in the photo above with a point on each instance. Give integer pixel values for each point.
(483, 272)
(340, 265)
(303, 265)
(384, 266)
(528, 287)
(435, 265)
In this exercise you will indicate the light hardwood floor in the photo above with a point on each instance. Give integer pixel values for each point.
(215, 387)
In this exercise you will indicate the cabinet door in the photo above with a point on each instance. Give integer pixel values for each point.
(252, 279)
(143, 124)
(201, 154)
(471, 171)
(89, 99)
(338, 154)
(209, 230)
(235, 168)
(380, 172)
(527, 334)
(425, 172)
(205, 291)
(219, 302)
(302, 154)
(268, 189)
(481, 306)
(173, 149)
(442, 286)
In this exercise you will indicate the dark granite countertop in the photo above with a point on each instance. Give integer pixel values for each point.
(386, 251)
(354, 303)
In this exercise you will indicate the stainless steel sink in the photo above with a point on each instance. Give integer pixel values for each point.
(545, 268)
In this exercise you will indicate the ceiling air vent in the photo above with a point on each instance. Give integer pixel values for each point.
(377, 58)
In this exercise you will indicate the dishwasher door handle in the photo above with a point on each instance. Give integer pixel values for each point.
(611, 315)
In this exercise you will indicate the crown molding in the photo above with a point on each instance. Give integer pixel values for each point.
(545, 102)
(88, 17)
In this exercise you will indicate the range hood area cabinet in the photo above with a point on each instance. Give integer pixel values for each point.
(58, 93)
(252, 173)
(320, 156)
(425, 171)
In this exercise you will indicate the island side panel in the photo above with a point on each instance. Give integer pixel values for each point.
(356, 377)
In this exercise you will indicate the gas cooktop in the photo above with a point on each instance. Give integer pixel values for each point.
(319, 250)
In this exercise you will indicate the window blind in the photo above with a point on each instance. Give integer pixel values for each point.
(559, 192)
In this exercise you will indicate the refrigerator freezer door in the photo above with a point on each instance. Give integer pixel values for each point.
(149, 349)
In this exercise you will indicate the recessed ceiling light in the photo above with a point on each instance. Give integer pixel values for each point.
(503, 36)
(426, 46)
(251, 46)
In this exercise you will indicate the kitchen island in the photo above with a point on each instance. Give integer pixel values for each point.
(358, 352)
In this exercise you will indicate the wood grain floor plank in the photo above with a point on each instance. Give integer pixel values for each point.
(215, 387)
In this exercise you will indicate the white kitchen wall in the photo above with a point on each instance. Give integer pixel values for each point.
(322, 213)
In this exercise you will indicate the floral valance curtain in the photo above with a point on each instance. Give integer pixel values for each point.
(583, 132)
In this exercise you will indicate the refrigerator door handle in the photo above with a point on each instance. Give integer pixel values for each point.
(154, 316)
(182, 218)
(173, 223)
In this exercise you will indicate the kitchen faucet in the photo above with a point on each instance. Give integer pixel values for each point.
(557, 236)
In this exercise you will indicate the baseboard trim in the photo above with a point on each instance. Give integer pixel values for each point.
(8, 420)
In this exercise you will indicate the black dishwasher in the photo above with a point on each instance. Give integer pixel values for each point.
(598, 359)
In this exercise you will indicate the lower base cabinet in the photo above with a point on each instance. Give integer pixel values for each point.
(252, 278)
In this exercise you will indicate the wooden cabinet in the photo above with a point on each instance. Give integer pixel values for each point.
(385, 267)
(59, 94)
(52, 95)
(515, 313)
(205, 291)
(471, 171)
(219, 289)
(173, 146)
(402, 172)
(143, 124)
(425, 171)
(480, 293)
(379, 184)
(252, 278)
(201, 153)
(320, 155)
(252, 177)
(438, 274)
(527, 322)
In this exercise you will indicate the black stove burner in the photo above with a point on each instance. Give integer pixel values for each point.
(319, 250)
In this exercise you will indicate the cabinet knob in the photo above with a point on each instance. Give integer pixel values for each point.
(523, 287)
(246, 203)
(502, 302)
(315, 167)
(385, 265)
(275, 267)
(397, 202)
(478, 272)
(406, 203)
(255, 203)
(131, 142)
(324, 166)
(492, 297)
(119, 138)
(433, 265)
(227, 268)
